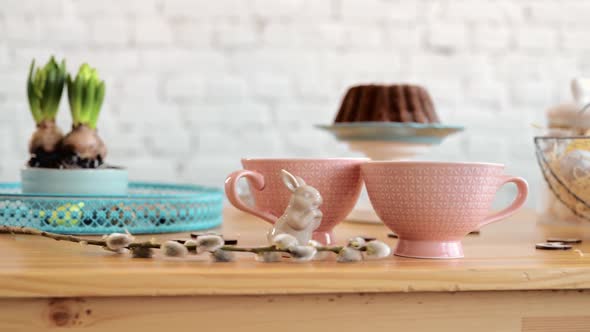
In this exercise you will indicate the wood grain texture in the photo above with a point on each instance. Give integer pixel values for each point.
(567, 323)
(502, 257)
(462, 311)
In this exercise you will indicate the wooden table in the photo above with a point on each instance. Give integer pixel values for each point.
(503, 284)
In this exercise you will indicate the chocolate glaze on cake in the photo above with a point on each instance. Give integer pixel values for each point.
(387, 103)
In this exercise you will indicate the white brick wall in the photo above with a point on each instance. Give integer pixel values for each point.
(194, 85)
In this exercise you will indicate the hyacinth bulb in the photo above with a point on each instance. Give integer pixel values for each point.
(83, 147)
(44, 89)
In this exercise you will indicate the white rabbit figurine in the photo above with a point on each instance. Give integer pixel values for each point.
(302, 216)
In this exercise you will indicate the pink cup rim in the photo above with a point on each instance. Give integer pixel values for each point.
(433, 163)
(306, 159)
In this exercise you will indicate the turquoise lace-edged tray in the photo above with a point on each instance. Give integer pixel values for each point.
(148, 208)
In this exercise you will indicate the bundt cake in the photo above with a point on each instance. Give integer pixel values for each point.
(389, 103)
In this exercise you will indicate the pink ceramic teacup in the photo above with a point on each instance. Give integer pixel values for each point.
(431, 206)
(339, 182)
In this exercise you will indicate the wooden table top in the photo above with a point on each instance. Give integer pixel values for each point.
(502, 257)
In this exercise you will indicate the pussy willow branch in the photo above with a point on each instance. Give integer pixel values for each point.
(147, 244)
(257, 250)
(57, 237)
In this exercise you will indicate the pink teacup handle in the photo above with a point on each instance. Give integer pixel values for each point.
(231, 191)
(523, 191)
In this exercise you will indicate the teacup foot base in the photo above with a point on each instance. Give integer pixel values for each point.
(325, 238)
(429, 249)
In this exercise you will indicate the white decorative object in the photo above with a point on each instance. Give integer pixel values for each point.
(302, 216)
(566, 119)
(581, 90)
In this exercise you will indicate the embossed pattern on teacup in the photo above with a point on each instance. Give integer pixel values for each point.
(432, 202)
(338, 180)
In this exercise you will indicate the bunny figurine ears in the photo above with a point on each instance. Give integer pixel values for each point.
(299, 188)
(291, 181)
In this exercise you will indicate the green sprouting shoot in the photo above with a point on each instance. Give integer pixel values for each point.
(85, 94)
(44, 88)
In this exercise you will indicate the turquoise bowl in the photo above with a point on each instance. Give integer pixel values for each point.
(103, 181)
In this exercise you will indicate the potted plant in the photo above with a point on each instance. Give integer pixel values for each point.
(74, 163)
